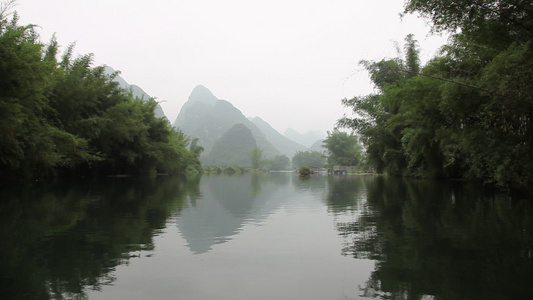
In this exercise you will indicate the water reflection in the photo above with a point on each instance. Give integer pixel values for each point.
(345, 193)
(442, 241)
(59, 239)
(228, 203)
(287, 237)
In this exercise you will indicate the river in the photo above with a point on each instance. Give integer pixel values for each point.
(264, 236)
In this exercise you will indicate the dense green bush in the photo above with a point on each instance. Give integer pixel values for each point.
(304, 171)
(66, 116)
(466, 113)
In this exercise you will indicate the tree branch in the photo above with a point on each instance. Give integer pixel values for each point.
(452, 81)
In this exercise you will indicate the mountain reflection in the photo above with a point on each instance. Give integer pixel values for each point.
(59, 239)
(429, 240)
(228, 203)
(442, 241)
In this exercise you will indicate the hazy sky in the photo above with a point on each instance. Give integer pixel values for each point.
(289, 62)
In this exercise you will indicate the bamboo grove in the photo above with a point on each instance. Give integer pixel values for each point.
(464, 114)
(62, 115)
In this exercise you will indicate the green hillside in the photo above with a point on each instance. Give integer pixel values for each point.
(233, 147)
(207, 118)
(285, 145)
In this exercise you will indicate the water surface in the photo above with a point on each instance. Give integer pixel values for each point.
(264, 236)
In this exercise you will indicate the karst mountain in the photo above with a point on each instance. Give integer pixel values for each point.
(209, 119)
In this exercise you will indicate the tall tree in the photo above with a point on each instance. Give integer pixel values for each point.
(195, 148)
(68, 116)
(308, 158)
(412, 55)
(465, 113)
(28, 144)
(279, 162)
(343, 148)
(491, 109)
(514, 18)
(383, 138)
(255, 155)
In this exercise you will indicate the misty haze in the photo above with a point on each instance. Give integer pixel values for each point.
(266, 149)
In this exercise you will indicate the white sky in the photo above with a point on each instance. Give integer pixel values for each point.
(289, 62)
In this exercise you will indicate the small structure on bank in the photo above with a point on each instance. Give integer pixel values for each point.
(343, 170)
(316, 169)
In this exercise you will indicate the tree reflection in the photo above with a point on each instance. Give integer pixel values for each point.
(345, 192)
(442, 241)
(60, 239)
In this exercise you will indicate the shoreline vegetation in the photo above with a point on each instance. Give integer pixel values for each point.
(62, 116)
(464, 115)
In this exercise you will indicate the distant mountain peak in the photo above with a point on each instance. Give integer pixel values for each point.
(202, 94)
(258, 120)
(285, 145)
(307, 139)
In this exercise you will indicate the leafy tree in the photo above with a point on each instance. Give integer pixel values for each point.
(304, 171)
(255, 155)
(513, 18)
(71, 214)
(28, 144)
(279, 162)
(68, 116)
(491, 133)
(195, 148)
(343, 148)
(123, 134)
(400, 232)
(308, 158)
(383, 142)
(467, 112)
(412, 55)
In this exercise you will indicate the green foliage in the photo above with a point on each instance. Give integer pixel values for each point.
(304, 171)
(436, 237)
(308, 158)
(226, 169)
(70, 117)
(255, 155)
(208, 118)
(467, 112)
(344, 149)
(123, 133)
(232, 170)
(233, 147)
(26, 140)
(195, 149)
(412, 58)
(279, 162)
(511, 17)
(105, 225)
